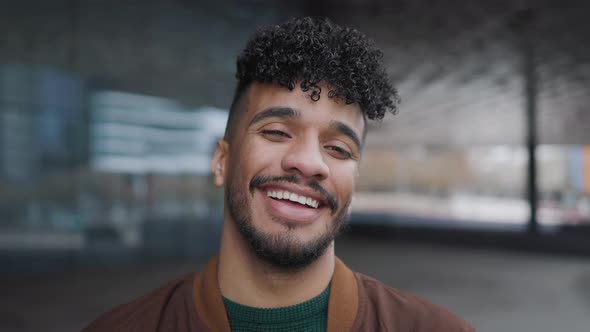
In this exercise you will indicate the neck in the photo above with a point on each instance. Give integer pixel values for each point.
(245, 279)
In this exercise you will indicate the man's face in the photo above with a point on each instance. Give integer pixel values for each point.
(289, 171)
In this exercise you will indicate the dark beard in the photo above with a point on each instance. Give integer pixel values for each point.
(281, 250)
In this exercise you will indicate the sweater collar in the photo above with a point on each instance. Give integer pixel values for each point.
(342, 303)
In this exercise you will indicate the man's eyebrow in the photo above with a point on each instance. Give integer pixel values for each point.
(275, 112)
(346, 130)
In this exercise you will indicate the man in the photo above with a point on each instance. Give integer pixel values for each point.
(288, 162)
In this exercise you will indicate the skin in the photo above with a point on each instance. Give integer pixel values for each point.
(315, 142)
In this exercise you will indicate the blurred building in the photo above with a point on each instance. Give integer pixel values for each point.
(156, 153)
(41, 111)
(75, 160)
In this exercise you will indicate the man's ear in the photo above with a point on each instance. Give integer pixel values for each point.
(218, 163)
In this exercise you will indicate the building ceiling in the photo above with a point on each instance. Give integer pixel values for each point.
(459, 69)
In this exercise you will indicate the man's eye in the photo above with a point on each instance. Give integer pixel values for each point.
(275, 134)
(339, 152)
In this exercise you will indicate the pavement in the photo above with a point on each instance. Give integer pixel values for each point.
(494, 290)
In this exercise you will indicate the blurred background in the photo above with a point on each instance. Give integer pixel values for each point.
(476, 195)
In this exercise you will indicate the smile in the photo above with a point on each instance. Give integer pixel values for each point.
(286, 195)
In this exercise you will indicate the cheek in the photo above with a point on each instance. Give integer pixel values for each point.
(253, 158)
(344, 178)
(264, 154)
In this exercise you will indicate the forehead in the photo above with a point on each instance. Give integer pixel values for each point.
(261, 96)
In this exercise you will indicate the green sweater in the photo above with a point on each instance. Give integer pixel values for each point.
(309, 316)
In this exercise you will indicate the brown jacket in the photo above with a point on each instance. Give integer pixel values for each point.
(356, 303)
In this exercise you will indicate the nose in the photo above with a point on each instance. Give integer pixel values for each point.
(305, 157)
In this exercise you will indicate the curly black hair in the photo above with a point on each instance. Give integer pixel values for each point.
(311, 50)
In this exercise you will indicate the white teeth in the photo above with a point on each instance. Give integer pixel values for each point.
(312, 202)
(293, 197)
(280, 194)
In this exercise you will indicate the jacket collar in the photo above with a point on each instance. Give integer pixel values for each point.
(342, 304)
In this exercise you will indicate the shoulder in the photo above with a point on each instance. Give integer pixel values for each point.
(143, 313)
(393, 309)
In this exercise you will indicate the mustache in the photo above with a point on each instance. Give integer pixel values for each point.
(314, 185)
